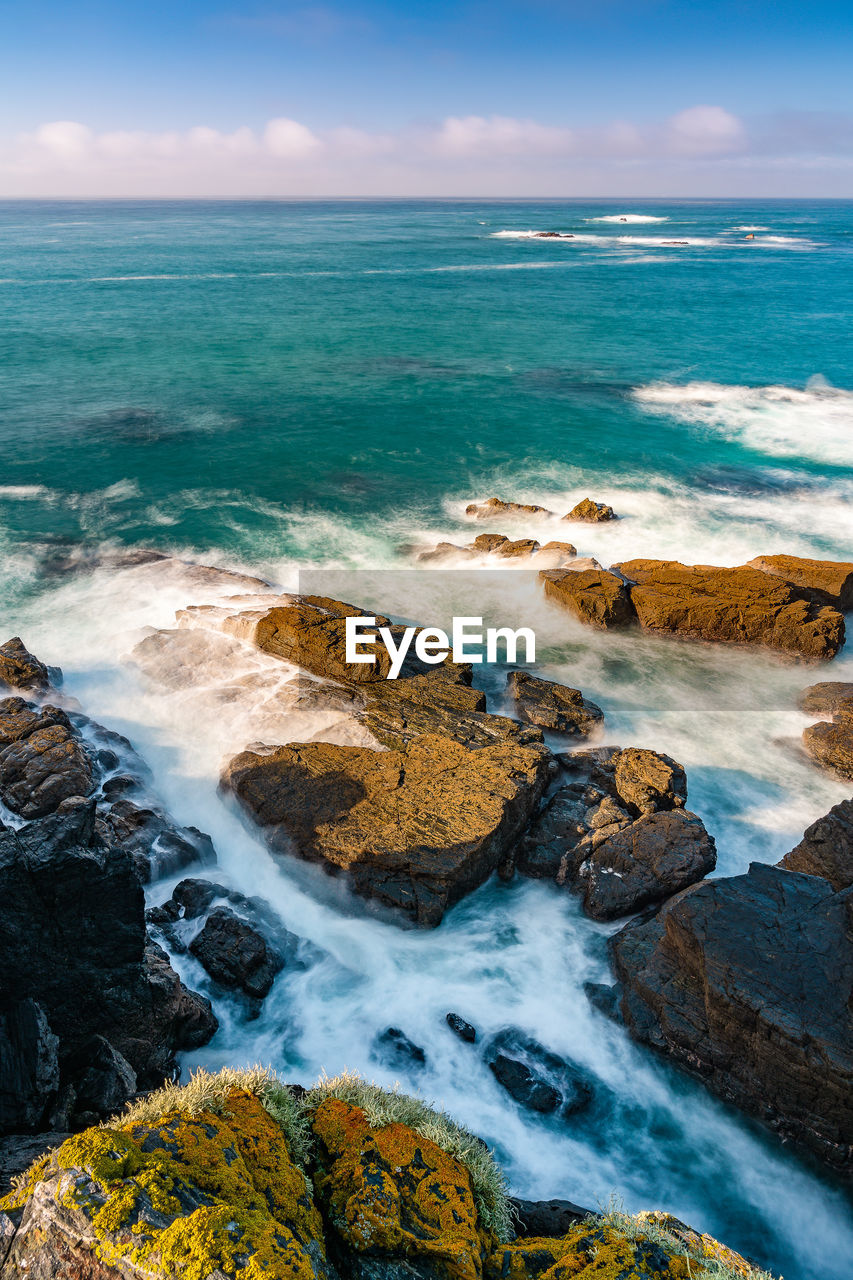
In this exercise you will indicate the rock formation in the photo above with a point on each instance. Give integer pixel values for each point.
(827, 580)
(593, 596)
(493, 507)
(591, 512)
(553, 706)
(826, 848)
(830, 743)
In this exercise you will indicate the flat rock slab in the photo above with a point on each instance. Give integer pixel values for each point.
(415, 829)
(553, 706)
(593, 596)
(829, 580)
(746, 981)
(732, 606)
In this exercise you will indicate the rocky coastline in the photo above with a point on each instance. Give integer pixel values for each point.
(743, 981)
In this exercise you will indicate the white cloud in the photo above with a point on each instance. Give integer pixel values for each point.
(65, 139)
(705, 130)
(499, 136)
(288, 139)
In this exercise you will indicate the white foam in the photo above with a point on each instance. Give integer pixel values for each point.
(627, 217)
(22, 492)
(815, 422)
(798, 244)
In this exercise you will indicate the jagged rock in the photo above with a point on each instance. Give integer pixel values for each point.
(553, 706)
(20, 669)
(732, 606)
(497, 507)
(41, 761)
(397, 1051)
(461, 1028)
(593, 596)
(158, 846)
(644, 862)
(398, 712)
(195, 1195)
(17, 1152)
(74, 941)
(536, 1078)
(826, 849)
(446, 551)
(103, 1078)
(829, 698)
(746, 980)
(606, 998)
(488, 542)
(195, 896)
(648, 782)
(591, 512)
(546, 1218)
(29, 1064)
(829, 581)
(415, 829)
(567, 549)
(520, 547)
(236, 955)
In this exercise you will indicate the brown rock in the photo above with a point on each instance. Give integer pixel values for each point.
(565, 548)
(733, 606)
(497, 507)
(644, 862)
(648, 782)
(831, 745)
(41, 762)
(830, 581)
(553, 706)
(488, 541)
(399, 711)
(596, 597)
(591, 512)
(826, 849)
(446, 551)
(520, 547)
(415, 829)
(20, 669)
(829, 698)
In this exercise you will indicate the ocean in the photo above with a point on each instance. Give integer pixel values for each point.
(280, 388)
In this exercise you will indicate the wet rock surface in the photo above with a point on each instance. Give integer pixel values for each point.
(746, 981)
(41, 761)
(617, 833)
(498, 507)
(732, 606)
(591, 512)
(415, 829)
(830, 743)
(537, 1079)
(826, 848)
(19, 669)
(829, 581)
(553, 706)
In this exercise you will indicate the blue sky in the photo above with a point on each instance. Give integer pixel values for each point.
(548, 97)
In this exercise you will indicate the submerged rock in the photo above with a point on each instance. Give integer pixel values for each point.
(393, 1047)
(732, 606)
(593, 596)
(536, 1078)
(461, 1028)
(237, 955)
(591, 512)
(746, 981)
(553, 706)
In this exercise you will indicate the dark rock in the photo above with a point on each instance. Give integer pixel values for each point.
(165, 914)
(826, 849)
(461, 1028)
(546, 1219)
(41, 761)
(29, 1066)
(20, 669)
(591, 512)
(415, 829)
(648, 860)
(396, 1050)
(195, 896)
(18, 1151)
(158, 846)
(605, 998)
(554, 834)
(535, 1077)
(74, 941)
(235, 954)
(553, 706)
(593, 596)
(732, 606)
(103, 1079)
(746, 981)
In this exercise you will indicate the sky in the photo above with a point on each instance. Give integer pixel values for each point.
(217, 98)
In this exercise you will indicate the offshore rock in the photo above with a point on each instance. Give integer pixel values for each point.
(415, 829)
(497, 507)
(553, 706)
(536, 1078)
(746, 981)
(591, 512)
(237, 955)
(732, 606)
(829, 698)
(593, 596)
(830, 743)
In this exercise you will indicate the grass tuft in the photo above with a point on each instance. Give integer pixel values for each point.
(390, 1106)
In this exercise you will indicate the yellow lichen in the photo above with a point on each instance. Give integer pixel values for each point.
(391, 1191)
(590, 1250)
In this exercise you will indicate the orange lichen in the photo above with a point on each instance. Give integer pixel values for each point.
(590, 1251)
(392, 1192)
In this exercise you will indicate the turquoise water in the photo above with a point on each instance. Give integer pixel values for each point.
(272, 387)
